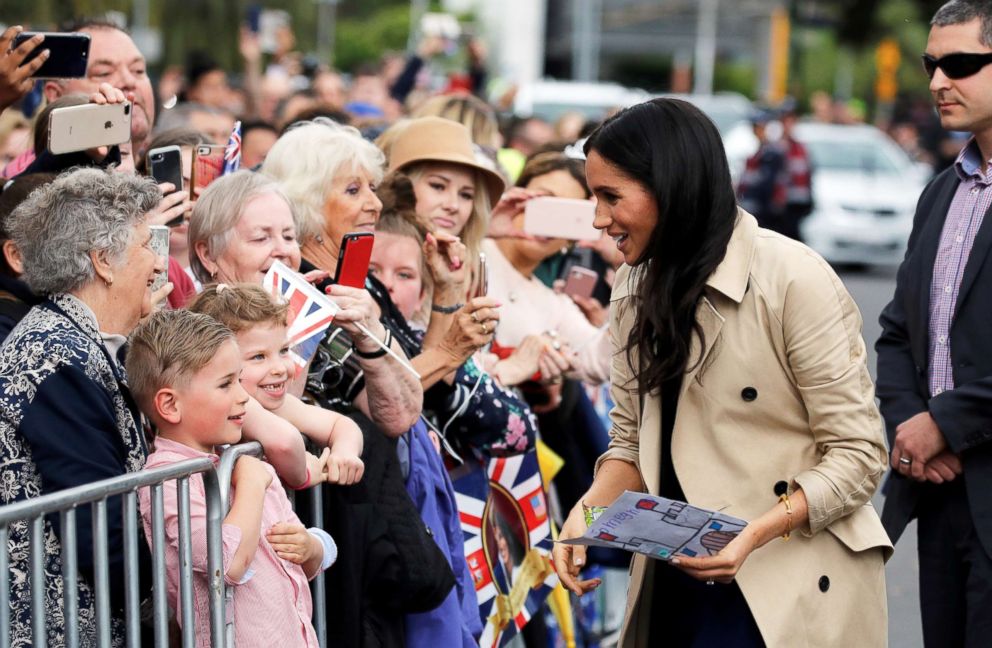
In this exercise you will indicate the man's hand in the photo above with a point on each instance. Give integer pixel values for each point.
(918, 440)
(15, 78)
(944, 467)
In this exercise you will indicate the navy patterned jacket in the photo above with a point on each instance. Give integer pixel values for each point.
(66, 419)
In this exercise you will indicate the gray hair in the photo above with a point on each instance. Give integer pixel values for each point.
(957, 12)
(307, 159)
(218, 211)
(82, 211)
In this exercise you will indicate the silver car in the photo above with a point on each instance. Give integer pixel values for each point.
(865, 190)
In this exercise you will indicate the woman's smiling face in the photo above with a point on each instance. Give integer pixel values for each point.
(625, 208)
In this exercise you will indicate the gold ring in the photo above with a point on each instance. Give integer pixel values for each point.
(485, 328)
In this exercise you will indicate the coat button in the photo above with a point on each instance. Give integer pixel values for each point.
(824, 583)
(781, 488)
(749, 394)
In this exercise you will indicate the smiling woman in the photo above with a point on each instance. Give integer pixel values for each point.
(84, 242)
(241, 225)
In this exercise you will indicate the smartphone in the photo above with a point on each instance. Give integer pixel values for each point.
(440, 25)
(160, 245)
(580, 282)
(482, 280)
(353, 259)
(68, 54)
(254, 17)
(165, 164)
(208, 165)
(78, 128)
(566, 218)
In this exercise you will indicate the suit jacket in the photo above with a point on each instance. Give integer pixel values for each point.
(963, 414)
(781, 394)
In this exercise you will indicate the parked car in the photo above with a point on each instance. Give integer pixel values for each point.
(865, 190)
(549, 99)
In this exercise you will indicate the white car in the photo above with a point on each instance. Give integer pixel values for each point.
(865, 190)
(549, 99)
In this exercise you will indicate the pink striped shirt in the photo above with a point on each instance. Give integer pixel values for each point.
(272, 605)
(964, 217)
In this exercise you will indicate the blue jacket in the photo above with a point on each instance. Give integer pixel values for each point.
(456, 621)
(66, 419)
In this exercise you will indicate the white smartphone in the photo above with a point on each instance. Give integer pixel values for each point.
(160, 245)
(79, 128)
(566, 218)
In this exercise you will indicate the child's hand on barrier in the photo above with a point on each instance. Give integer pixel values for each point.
(344, 468)
(293, 542)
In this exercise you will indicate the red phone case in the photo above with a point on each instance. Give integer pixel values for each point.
(353, 260)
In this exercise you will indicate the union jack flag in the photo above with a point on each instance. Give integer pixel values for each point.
(310, 312)
(503, 511)
(232, 154)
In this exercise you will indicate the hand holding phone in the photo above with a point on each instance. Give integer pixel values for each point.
(353, 259)
(88, 126)
(68, 54)
(165, 164)
(564, 218)
(580, 282)
(208, 165)
(160, 245)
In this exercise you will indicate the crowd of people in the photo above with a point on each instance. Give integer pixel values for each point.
(730, 355)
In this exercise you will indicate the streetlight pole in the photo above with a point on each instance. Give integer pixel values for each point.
(326, 20)
(705, 56)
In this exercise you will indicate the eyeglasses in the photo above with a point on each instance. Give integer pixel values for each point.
(956, 66)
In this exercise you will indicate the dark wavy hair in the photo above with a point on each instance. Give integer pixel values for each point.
(672, 149)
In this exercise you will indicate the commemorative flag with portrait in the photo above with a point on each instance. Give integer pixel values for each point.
(504, 517)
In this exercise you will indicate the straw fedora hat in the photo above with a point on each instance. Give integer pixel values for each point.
(434, 139)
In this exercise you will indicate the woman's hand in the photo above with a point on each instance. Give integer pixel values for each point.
(597, 314)
(510, 205)
(173, 207)
(357, 309)
(522, 364)
(445, 256)
(472, 328)
(570, 559)
(723, 567)
(314, 277)
(556, 361)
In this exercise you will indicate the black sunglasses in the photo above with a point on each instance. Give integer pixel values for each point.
(956, 66)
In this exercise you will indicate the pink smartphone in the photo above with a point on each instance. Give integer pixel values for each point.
(580, 282)
(566, 218)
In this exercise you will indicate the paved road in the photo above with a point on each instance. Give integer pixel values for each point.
(872, 290)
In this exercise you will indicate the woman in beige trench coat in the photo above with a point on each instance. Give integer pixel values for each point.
(739, 374)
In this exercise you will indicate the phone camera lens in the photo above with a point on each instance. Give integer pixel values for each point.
(127, 109)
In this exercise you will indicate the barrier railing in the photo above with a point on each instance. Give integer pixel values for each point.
(65, 503)
(217, 486)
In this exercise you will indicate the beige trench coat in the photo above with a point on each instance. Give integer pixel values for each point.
(782, 393)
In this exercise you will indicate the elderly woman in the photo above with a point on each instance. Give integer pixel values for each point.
(242, 224)
(84, 240)
(329, 173)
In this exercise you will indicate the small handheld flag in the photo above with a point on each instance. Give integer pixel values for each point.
(232, 154)
(310, 313)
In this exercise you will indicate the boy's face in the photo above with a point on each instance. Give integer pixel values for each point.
(212, 404)
(266, 364)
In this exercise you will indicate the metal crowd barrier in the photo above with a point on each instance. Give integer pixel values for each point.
(65, 504)
(216, 483)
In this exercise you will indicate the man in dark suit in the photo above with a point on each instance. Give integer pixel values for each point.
(935, 352)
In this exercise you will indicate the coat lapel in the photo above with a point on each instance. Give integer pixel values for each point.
(980, 249)
(929, 242)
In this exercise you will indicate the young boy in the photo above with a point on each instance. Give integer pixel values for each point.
(183, 371)
(259, 324)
